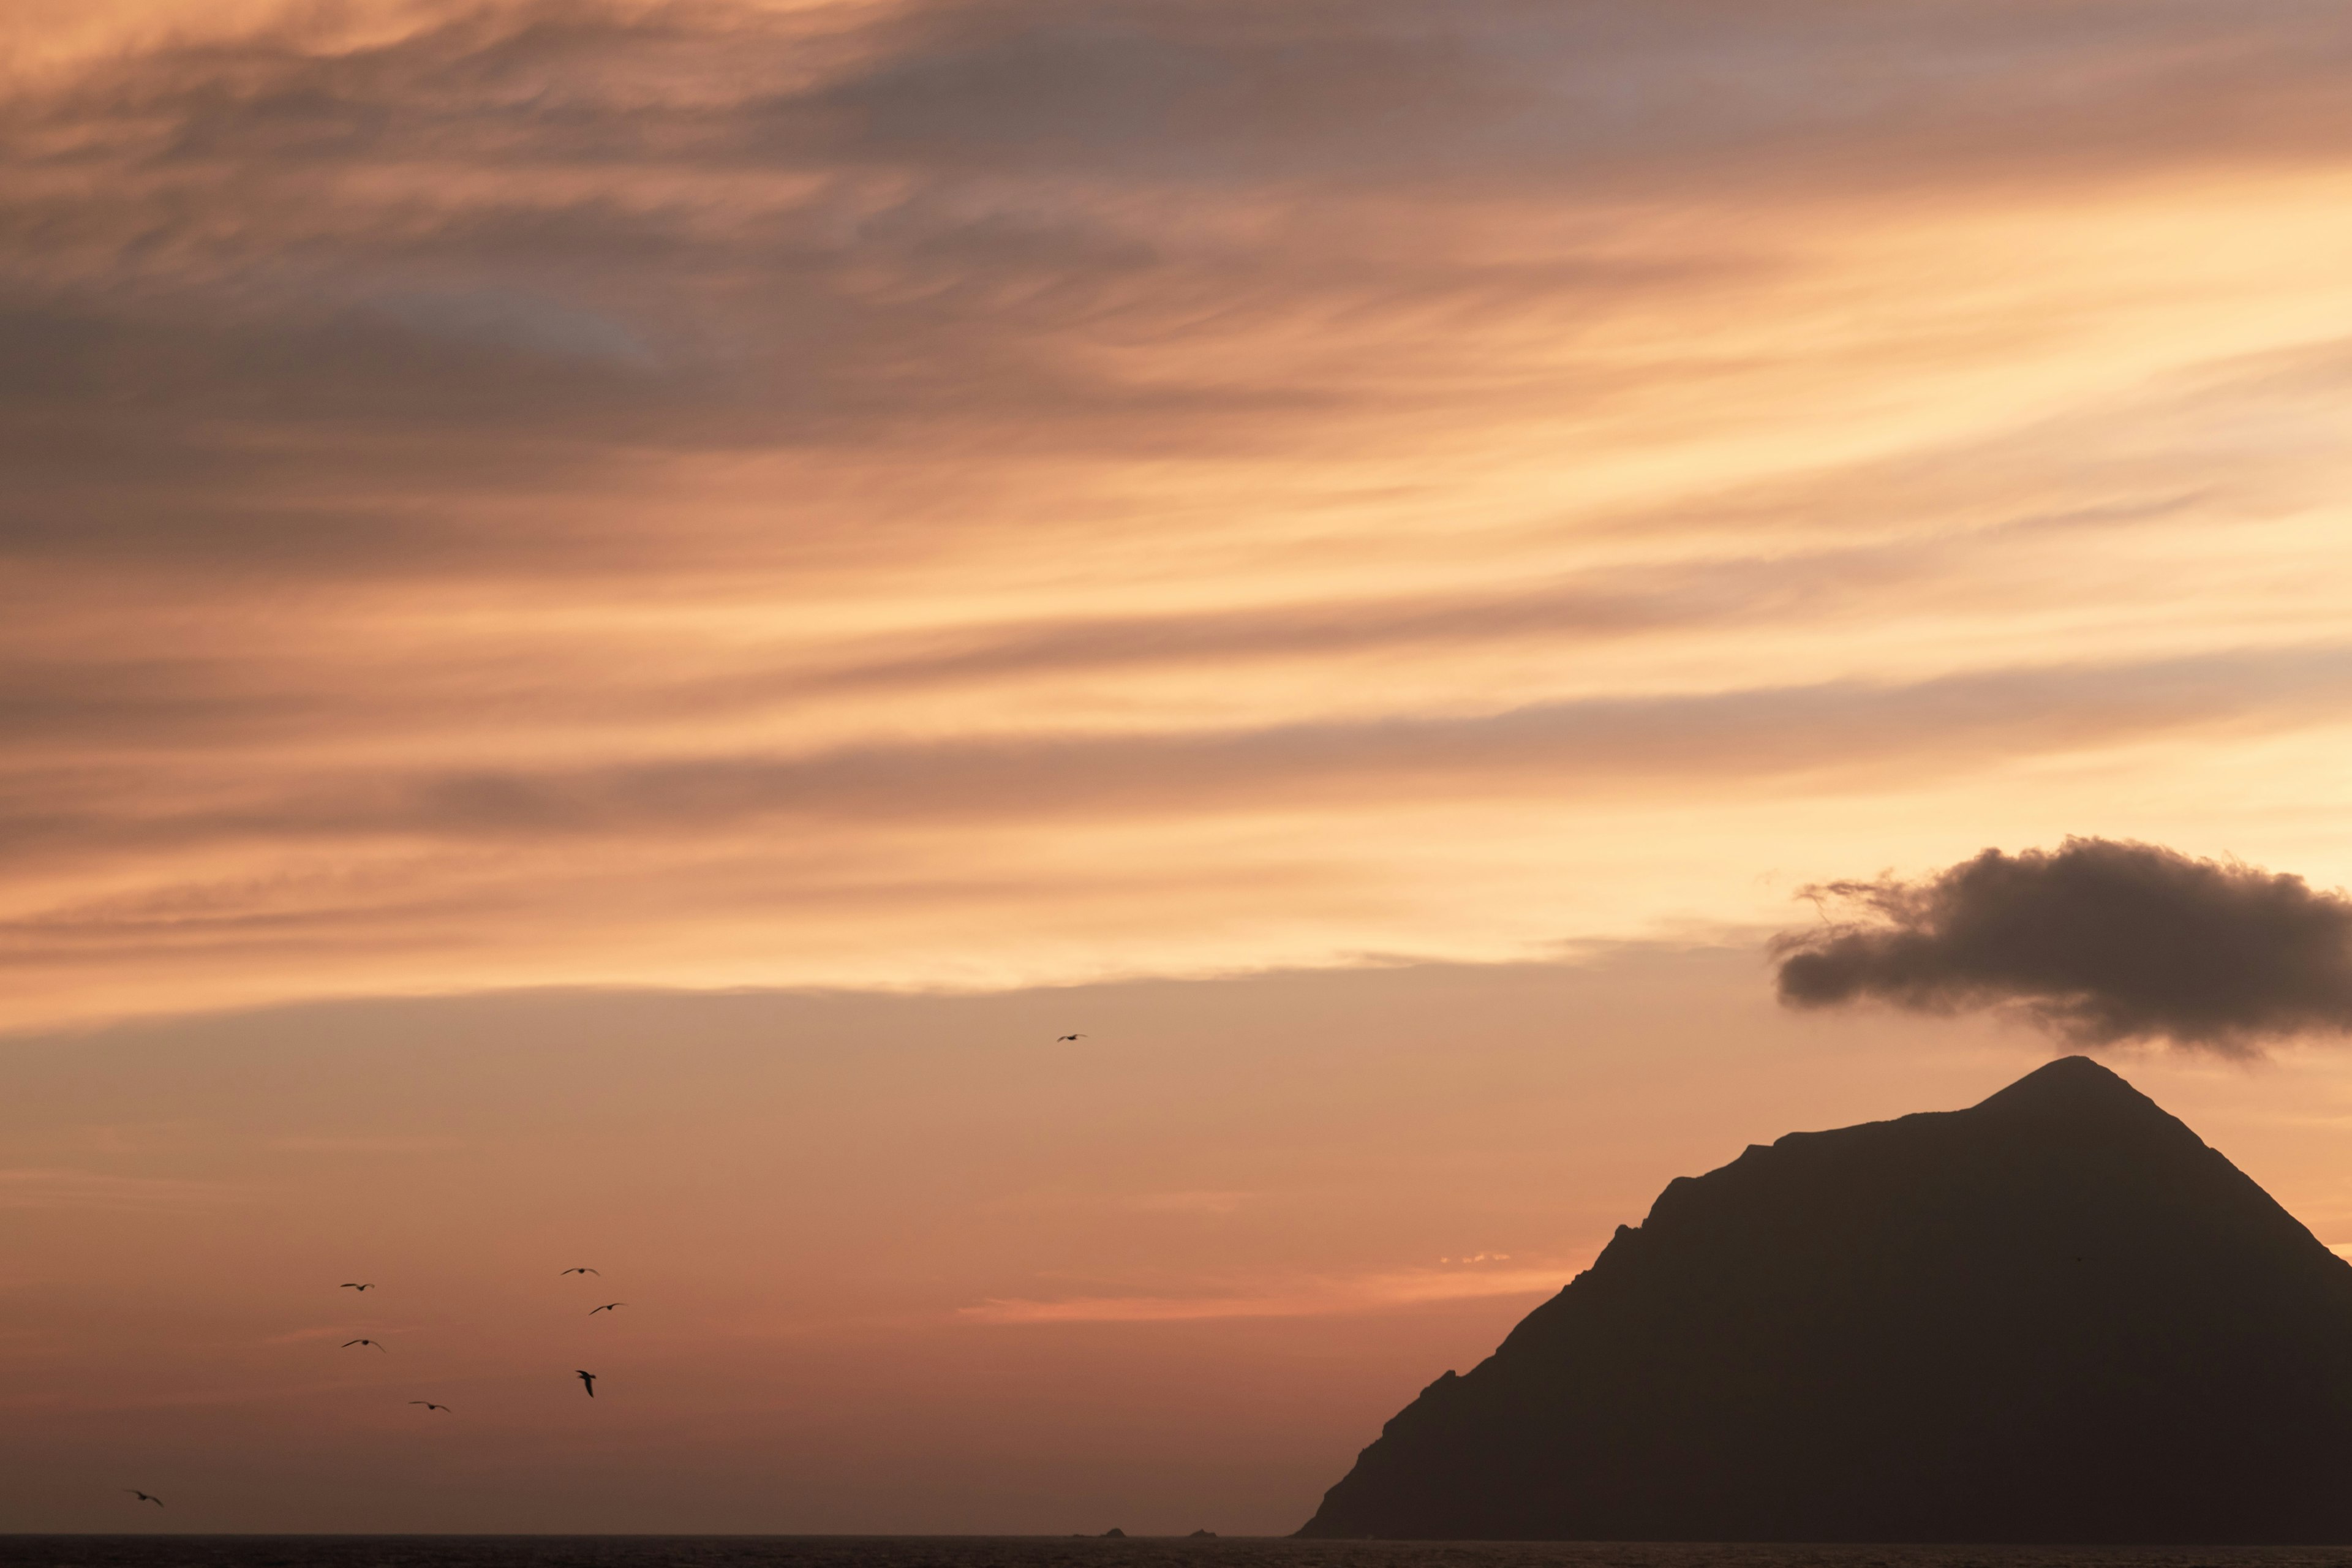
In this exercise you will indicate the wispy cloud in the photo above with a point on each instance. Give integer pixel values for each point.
(1208, 1202)
(369, 1143)
(1293, 1298)
(1848, 732)
(67, 1189)
(503, 495)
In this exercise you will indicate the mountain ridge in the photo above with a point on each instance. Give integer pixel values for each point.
(2055, 1315)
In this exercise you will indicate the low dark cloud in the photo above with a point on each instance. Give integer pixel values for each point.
(2100, 941)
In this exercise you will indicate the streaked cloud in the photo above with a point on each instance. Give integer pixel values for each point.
(717, 493)
(1202, 1203)
(1287, 1299)
(315, 1143)
(53, 1188)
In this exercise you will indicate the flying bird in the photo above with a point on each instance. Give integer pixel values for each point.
(349, 1343)
(1059, 1038)
(579, 1271)
(145, 1497)
(347, 1285)
(605, 1308)
(589, 1379)
(428, 1404)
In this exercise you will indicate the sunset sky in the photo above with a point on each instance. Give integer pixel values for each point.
(612, 616)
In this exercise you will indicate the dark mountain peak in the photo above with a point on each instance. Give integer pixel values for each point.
(2068, 1075)
(2055, 1315)
(2077, 1098)
(2070, 1083)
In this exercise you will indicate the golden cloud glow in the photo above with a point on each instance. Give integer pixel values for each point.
(724, 495)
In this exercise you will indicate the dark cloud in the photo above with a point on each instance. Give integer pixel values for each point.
(1505, 93)
(1231, 90)
(2100, 941)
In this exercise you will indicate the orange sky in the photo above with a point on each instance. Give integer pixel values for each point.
(1356, 554)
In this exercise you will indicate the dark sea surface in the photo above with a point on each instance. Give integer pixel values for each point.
(1016, 1552)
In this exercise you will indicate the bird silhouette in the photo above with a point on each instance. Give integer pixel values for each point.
(579, 1271)
(605, 1308)
(347, 1285)
(145, 1497)
(428, 1404)
(349, 1343)
(1059, 1038)
(589, 1378)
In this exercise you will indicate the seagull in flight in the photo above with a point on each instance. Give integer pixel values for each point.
(349, 1343)
(428, 1404)
(348, 1285)
(588, 1378)
(605, 1308)
(1059, 1038)
(596, 1271)
(145, 1497)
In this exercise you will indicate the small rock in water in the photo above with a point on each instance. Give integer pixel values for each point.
(1114, 1533)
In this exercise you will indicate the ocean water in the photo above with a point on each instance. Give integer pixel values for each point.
(1011, 1551)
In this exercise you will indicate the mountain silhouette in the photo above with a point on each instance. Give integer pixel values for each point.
(2056, 1316)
